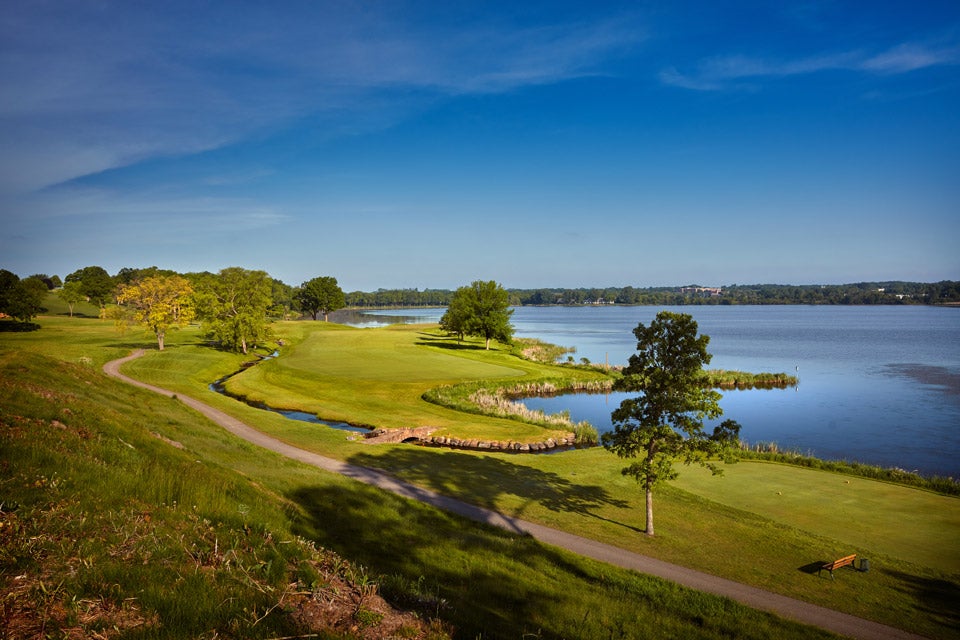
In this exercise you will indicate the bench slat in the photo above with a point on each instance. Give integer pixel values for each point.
(836, 564)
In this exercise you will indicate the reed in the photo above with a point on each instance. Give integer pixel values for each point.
(724, 379)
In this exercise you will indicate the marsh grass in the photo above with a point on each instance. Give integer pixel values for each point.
(727, 379)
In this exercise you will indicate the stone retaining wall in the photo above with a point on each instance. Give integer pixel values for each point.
(424, 437)
(495, 445)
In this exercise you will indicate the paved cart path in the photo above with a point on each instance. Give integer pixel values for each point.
(815, 615)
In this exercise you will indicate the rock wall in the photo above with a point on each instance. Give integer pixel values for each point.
(423, 436)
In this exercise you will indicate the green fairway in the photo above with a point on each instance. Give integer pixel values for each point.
(896, 521)
(388, 355)
(377, 378)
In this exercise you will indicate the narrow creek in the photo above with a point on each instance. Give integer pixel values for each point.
(220, 387)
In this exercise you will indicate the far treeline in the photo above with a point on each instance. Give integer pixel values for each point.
(896, 293)
(235, 289)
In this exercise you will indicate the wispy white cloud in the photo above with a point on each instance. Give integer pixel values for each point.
(909, 57)
(725, 72)
(85, 89)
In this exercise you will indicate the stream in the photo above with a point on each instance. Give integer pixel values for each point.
(220, 387)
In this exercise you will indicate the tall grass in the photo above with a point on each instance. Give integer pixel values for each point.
(113, 531)
(725, 379)
(499, 400)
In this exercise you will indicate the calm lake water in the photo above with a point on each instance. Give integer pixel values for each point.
(879, 385)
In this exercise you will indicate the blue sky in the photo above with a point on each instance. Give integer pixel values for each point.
(429, 144)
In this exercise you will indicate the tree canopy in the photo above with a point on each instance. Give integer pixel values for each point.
(234, 305)
(95, 283)
(21, 299)
(480, 309)
(159, 303)
(665, 423)
(321, 295)
(71, 294)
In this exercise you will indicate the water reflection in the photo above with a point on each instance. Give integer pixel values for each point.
(372, 318)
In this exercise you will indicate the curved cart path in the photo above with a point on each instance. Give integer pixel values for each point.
(834, 621)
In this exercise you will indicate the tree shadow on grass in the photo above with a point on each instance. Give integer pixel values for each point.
(15, 326)
(484, 580)
(935, 596)
(484, 480)
(447, 342)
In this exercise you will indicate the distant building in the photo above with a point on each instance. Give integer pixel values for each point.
(703, 292)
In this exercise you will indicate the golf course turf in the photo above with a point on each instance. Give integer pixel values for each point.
(762, 524)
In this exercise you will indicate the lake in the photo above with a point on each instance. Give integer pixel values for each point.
(878, 384)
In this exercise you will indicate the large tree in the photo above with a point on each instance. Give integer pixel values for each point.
(159, 303)
(480, 309)
(321, 295)
(95, 283)
(234, 306)
(21, 299)
(664, 424)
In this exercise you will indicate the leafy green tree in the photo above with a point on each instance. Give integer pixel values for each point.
(8, 280)
(128, 275)
(282, 299)
(21, 299)
(321, 295)
(665, 423)
(456, 318)
(47, 281)
(70, 293)
(480, 309)
(233, 305)
(95, 283)
(159, 303)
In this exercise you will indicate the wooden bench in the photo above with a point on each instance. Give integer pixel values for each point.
(836, 564)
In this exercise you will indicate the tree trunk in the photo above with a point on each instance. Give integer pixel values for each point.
(488, 344)
(243, 343)
(160, 340)
(649, 530)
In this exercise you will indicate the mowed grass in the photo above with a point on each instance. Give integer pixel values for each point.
(377, 377)
(583, 492)
(893, 520)
(729, 526)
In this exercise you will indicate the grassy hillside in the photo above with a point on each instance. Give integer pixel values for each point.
(483, 582)
(110, 527)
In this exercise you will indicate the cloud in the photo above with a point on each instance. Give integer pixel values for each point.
(87, 88)
(725, 72)
(909, 57)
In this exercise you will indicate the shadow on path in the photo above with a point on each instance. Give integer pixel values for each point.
(491, 478)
